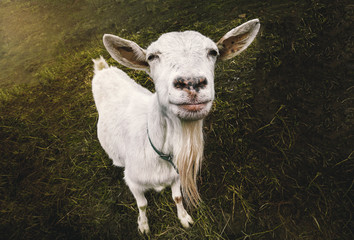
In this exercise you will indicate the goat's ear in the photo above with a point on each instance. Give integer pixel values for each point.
(238, 39)
(126, 52)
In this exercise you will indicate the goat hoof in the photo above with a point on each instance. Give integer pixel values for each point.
(144, 227)
(186, 220)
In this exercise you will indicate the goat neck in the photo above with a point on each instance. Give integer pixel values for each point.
(183, 139)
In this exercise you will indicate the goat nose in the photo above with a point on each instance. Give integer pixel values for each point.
(190, 83)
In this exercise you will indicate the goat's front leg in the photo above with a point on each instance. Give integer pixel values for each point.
(142, 205)
(181, 212)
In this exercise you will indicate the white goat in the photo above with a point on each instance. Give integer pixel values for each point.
(158, 136)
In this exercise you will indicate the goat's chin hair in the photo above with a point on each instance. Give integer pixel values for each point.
(189, 155)
(191, 117)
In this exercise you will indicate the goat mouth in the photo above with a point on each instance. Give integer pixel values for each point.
(192, 107)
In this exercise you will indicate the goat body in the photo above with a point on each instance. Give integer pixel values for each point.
(133, 121)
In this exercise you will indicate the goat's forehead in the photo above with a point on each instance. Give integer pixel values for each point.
(174, 41)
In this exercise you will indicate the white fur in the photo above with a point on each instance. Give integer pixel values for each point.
(127, 110)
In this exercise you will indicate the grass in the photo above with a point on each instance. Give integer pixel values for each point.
(279, 141)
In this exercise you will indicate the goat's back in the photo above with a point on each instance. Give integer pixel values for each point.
(122, 105)
(112, 85)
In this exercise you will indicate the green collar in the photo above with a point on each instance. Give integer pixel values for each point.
(166, 157)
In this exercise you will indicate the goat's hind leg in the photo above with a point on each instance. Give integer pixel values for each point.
(142, 205)
(182, 214)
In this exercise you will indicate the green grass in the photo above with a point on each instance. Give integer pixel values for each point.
(279, 141)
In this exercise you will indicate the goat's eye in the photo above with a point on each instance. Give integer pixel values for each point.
(152, 57)
(213, 53)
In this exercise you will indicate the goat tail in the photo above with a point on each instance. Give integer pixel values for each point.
(99, 64)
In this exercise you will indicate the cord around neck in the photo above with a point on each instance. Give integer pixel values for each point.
(166, 157)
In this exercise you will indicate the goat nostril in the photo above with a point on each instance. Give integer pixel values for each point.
(202, 82)
(179, 83)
